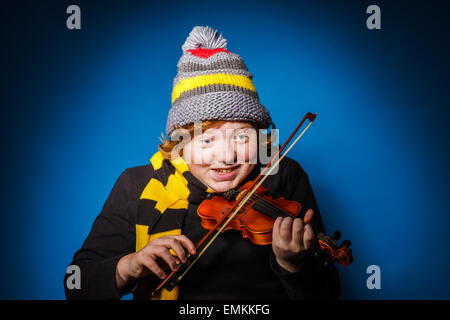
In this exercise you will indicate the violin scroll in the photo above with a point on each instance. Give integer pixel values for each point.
(334, 252)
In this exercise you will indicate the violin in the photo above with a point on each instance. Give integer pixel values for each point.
(255, 220)
(253, 211)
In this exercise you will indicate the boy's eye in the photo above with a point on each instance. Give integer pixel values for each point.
(205, 141)
(241, 138)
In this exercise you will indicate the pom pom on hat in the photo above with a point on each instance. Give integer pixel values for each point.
(204, 37)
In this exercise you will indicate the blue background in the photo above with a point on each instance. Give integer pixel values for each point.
(78, 107)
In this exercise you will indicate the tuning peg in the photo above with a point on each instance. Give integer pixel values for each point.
(336, 235)
(346, 243)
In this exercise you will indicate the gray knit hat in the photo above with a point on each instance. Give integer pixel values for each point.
(213, 84)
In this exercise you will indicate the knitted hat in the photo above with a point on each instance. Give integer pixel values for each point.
(213, 84)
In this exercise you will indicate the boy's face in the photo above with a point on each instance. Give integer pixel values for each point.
(222, 157)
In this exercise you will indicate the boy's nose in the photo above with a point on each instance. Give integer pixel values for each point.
(226, 154)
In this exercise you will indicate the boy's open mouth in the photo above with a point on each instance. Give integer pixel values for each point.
(225, 172)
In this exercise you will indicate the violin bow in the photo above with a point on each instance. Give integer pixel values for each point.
(239, 204)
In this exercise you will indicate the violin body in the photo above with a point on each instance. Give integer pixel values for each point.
(255, 220)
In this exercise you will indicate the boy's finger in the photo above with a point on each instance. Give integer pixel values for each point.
(308, 216)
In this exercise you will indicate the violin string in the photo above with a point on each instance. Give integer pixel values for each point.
(243, 201)
(275, 208)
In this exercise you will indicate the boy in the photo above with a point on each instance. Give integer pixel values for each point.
(150, 218)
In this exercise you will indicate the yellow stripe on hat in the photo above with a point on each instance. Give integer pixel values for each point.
(216, 78)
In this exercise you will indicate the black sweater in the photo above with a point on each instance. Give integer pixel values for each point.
(232, 268)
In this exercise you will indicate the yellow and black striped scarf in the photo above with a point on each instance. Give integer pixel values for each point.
(162, 208)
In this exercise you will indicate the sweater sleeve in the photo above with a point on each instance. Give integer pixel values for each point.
(111, 237)
(313, 280)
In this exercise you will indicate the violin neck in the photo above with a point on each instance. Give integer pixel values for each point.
(270, 210)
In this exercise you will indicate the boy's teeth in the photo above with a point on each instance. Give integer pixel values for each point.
(223, 170)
